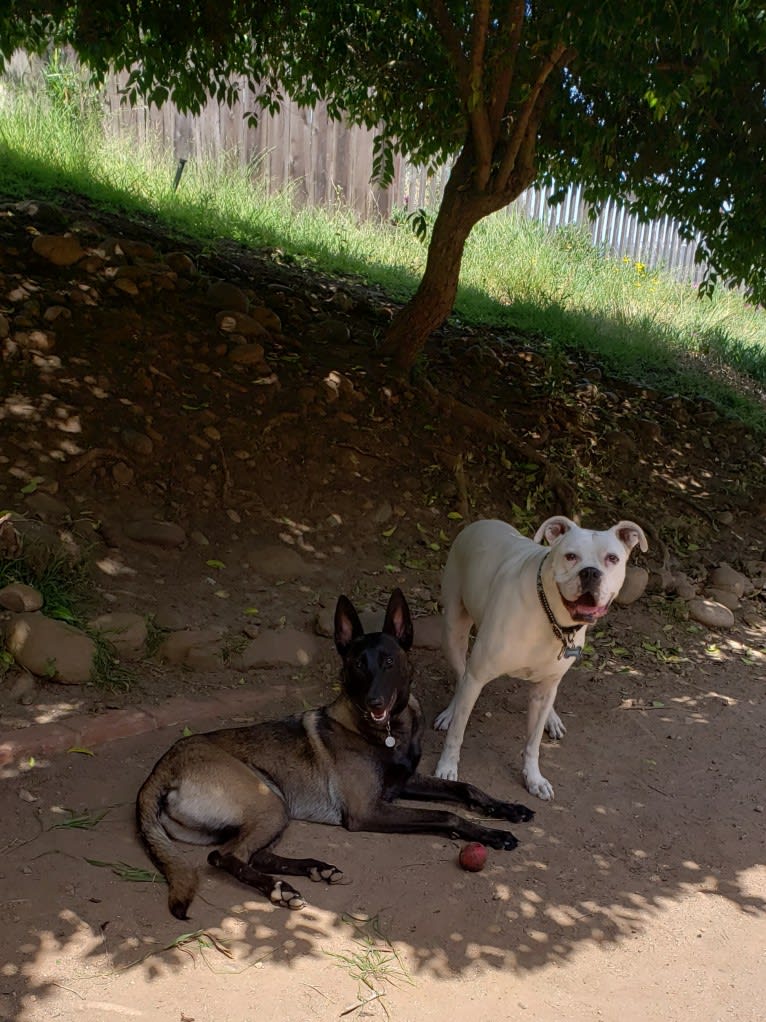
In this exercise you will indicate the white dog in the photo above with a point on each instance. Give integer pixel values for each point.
(531, 605)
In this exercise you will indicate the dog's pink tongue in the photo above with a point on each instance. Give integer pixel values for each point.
(587, 610)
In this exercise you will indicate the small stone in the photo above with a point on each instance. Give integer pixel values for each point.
(725, 577)
(122, 474)
(248, 354)
(634, 586)
(51, 649)
(54, 312)
(167, 619)
(199, 538)
(177, 647)
(126, 285)
(159, 533)
(36, 340)
(230, 322)
(726, 597)
(126, 631)
(223, 295)
(267, 318)
(19, 598)
(287, 646)
(22, 686)
(181, 264)
(137, 443)
(324, 623)
(59, 249)
(710, 613)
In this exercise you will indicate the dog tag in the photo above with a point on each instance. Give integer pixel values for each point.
(390, 742)
(572, 651)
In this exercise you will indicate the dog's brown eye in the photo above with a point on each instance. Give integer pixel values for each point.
(361, 663)
(612, 559)
(570, 557)
(388, 662)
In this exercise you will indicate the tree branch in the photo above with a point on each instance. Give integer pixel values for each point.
(560, 54)
(451, 39)
(512, 27)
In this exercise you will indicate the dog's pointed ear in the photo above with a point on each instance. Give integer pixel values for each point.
(398, 622)
(553, 529)
(347, 625)
(631, 534)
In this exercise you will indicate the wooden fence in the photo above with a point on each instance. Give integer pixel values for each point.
(328, 163)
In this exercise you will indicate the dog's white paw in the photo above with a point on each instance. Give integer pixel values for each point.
(554, 725)
(446, 768)
(537, 785)
(443, 721)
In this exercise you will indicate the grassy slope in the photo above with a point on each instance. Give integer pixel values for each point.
(515, 275)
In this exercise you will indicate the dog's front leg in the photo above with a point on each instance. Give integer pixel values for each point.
(541, 699)
(384, 818)
(434, 789)
(455, 719)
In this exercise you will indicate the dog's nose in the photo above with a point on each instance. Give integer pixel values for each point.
(590, 577)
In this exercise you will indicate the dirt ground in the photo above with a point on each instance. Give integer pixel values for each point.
(639, 894)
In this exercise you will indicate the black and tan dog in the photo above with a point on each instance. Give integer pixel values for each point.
(342, 764)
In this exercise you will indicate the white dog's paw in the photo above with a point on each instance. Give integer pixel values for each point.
(554, 725)
(537, 785)
(443, 721)
(446, 768)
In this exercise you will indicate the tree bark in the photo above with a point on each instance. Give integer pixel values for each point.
(461, 208)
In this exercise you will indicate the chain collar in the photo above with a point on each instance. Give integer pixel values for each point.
(566, 636)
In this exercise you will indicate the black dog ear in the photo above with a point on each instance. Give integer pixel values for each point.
(398, 621)
(347, 625)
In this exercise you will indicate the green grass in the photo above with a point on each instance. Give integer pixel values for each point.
(554, 286)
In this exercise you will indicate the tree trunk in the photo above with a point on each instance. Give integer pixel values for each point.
(461, 208)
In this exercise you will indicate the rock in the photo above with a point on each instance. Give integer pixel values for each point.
(181, 263)
(223, 295)
(51, 649)
(123, 474)
(725, 597)
(59, 249)
(324, 623)
(383, 514)
(164, 534)
(634, 586)
(20, 598)
(288, 646)
(167, 619)
(267, 318)
(54, 312)
(248, 354)
(127, 632)
(138, 443)
(21, 686)
(331, 331)
(683, 586)
(192, 647)
(280, 562)
(337, 385)
(710, 613)
(230, 322)
(126, 285)
(138, 250)
(5, 327)
(46, 506)
(428, 632)
(35, 340)
(725, 577)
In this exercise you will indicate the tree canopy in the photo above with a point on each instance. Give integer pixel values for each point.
(662, 106)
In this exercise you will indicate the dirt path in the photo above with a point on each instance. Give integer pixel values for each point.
(640, 894)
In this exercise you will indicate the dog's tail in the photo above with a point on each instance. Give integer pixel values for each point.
(182, 878)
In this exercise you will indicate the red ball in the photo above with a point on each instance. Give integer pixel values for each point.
(473, 856)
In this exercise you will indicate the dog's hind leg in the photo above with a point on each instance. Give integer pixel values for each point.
(314, 869)
(277, 891)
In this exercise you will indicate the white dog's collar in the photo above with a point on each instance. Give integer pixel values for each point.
(566, 635)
